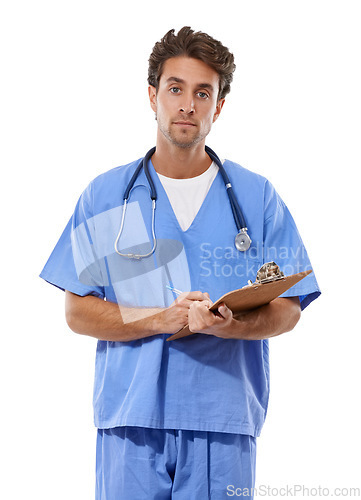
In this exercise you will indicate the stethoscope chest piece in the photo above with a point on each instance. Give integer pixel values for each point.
(242, 241)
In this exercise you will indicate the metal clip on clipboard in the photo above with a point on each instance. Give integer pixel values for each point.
(267, 273)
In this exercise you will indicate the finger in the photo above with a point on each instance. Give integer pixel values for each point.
(200, 311)
(181, 297)
(200, 304)
(197, 295)
(207, 302)
(201, 318)
(184, 297)
(225, 311)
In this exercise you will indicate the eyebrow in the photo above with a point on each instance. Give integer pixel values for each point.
(180, 80)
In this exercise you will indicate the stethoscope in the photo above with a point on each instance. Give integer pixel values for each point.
(241, 241)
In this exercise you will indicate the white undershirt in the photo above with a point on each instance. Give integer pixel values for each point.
(187, 195)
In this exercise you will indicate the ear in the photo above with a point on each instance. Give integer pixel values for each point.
(152, 92)
(218, 109)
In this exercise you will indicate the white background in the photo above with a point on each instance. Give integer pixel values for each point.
(74, 104)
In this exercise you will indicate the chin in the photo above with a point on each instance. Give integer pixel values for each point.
(186, 142)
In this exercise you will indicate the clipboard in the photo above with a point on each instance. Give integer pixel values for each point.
(250, 297)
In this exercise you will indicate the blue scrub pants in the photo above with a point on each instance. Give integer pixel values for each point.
(134, 463)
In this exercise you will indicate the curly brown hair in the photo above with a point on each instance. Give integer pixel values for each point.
(198, 45)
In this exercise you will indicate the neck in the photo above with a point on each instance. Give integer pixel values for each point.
(180, 163)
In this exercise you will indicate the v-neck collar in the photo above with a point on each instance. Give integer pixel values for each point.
(195, 225)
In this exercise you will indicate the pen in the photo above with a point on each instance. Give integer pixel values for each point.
(172, 289)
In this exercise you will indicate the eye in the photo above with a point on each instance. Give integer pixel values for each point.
(174, 90)
(203, 95)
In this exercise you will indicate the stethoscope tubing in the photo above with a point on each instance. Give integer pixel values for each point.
(143, 164)
(236, 210)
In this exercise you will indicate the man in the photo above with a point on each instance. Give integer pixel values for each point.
(178, 419)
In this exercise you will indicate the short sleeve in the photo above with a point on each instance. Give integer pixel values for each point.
(73, 264)
(283, 245)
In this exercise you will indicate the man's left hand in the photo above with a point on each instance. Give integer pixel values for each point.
(202, 320)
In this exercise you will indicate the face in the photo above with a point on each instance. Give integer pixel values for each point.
(186, 102)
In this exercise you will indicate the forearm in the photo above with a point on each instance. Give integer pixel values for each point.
(107, 321)
(279, 316)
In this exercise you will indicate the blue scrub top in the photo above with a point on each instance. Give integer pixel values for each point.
(199, 382)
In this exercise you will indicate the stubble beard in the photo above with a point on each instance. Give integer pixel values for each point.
(176, 139)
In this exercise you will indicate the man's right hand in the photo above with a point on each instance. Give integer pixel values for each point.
(175, 317)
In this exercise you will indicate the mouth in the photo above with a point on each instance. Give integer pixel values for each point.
(182, 123)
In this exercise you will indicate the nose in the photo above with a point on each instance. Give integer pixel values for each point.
(187, 105)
